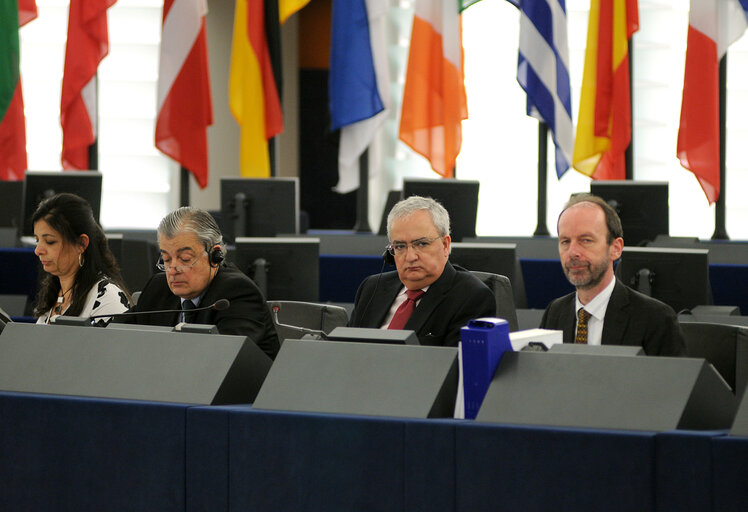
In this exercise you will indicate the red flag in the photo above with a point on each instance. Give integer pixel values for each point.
(13, 161)
(184, 104)
(712, 26)
(87, 45)
(26, 11)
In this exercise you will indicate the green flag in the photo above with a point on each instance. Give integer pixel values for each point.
(9, 53)
(464, 4)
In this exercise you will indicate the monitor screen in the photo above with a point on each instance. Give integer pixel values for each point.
(257, 207)
(283, 268)
(459, 197)
(39, 185)
(677, 277)
(495, 258)
(641, 205)
(11, 194)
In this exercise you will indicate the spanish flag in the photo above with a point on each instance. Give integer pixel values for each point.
(434, 99)
(604, 123)
(287, 7)
(253, 93)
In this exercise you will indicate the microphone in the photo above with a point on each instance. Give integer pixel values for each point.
(318, 335)
(219, 305)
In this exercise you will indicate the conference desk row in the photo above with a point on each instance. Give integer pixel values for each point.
(86, 454)
(340, 276)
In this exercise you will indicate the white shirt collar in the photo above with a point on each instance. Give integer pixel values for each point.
(597, 306)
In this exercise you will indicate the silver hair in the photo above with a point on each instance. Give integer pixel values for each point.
(412, 204)
(193, 220)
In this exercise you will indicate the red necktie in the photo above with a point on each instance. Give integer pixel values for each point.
(406, 309)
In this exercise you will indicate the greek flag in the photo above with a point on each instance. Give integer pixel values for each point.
(543, 71)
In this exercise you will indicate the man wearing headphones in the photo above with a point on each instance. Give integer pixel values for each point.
(194, 275)
(426, 294)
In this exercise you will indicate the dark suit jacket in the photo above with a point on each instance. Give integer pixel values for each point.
(630, 319)
(248, 314)
(449, 303)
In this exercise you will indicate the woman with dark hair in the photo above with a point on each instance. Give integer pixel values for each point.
(81, 276)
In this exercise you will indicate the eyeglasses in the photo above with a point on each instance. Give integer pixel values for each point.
(178, 268)
(400, 248)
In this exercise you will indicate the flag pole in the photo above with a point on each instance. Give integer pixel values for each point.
(542, 229)
(93, 155)
(184, 186)
(272, 152)
(93, 148)
(720, 232)
(629, 154)
(362, 195)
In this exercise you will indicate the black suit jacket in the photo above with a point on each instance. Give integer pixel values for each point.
(449, 303)
(630, 319)
(247, 315)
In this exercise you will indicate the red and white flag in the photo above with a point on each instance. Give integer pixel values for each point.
(712, 26)
(184, 104)
(87, 45)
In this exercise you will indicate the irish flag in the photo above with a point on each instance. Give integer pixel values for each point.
(604, 122)
(712, 26)
(184, 105)
(434, 100)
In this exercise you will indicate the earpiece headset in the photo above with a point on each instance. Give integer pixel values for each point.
(216, 256)
(388, 258)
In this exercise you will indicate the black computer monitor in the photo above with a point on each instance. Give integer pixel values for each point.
(459, 197)
(641, 205)
(11, 194)
(677, 277)
(283, 268)
(257, 207)
(495, 258)
(39, 185)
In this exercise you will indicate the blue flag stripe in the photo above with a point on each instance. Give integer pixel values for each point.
(543, 71)
(353, 93)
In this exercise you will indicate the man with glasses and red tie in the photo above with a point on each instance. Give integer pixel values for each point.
(426, 293)
(602, 310)
(194, 274)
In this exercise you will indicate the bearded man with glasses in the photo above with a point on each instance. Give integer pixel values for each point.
(426, 293)
(193, 274)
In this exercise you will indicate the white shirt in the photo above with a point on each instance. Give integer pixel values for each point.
(596, 308)
(104, 298)
(401, 297)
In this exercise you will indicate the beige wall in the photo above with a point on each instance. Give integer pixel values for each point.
(223, 136)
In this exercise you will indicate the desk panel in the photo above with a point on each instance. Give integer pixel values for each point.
(66, 453)
(291, 461)
(684, 470)
(505, 468)
(729, 475)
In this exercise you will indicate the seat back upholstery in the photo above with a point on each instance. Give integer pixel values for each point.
(724, 346)
(502, 291)
(292, 318)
